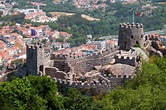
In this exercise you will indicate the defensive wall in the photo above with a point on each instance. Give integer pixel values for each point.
(153, 45)
(129, 60)
(54, 72)
(94, 86)
(85, 63)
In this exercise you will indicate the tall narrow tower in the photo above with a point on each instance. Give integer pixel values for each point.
(35, 59)
(130, 35)
(38, 8)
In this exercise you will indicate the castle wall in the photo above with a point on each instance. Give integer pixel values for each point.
(125, 60)
(94, 87)
(153, 45)
(83, 64)
(54, 72)
(47, 57)
(49, 63)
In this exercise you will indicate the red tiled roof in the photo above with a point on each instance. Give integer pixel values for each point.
(2, 44)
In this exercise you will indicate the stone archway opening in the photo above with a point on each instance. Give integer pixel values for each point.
(41, 68)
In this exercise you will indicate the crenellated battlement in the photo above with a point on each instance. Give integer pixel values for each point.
(47, 55)
(122, 77)
(72, 56)
(131, 26)
(121, 57)
(34, 46)
(129, 60)
(85, 63)
(153, 37)
(101, 86)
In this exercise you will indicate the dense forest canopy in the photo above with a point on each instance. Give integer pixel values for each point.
(145, 91)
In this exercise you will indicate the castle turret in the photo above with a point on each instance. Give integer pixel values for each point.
(35, 59)
(130, 35)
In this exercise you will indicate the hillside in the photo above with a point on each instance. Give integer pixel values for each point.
(89, 18)
(59, 14)
(145, 91)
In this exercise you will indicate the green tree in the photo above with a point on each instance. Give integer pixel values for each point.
(1, 13)
(44, 41)
(75, 101)
(30, 93)
(59, 39)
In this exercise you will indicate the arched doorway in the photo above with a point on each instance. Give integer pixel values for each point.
(41, 68)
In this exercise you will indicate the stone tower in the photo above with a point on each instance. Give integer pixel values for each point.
(35, 59)
(130, 35)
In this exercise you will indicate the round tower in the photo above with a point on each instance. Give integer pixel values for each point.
(130, 35)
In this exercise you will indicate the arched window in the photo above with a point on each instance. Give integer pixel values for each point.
(132, 37)
(41, 68)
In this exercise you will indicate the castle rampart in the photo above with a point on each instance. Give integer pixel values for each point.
(83, 64)
(54, 72)
(129, 60)
(95, 86)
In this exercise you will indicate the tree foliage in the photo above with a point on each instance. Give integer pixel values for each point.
(30, 93)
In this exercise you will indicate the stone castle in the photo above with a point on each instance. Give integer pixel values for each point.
(102, 71)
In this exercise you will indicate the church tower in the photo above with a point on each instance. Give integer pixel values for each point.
(130, 35)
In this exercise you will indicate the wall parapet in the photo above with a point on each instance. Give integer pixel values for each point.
(34, 46)
(88, 56)
(102, 86)
(129, 60)
(131, 26)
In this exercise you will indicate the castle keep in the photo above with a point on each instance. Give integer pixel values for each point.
(103, 70)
